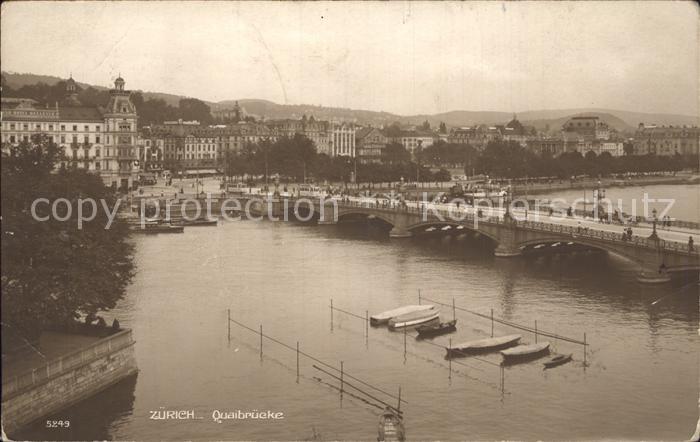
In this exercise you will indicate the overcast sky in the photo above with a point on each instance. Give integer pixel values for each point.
(406, 58)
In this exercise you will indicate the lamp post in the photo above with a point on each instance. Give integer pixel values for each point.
(653, 233)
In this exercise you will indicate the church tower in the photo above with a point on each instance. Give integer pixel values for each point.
(120, 138)
(71, 93)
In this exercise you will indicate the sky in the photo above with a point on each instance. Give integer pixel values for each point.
(402, 57)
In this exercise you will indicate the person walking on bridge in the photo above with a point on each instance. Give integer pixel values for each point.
(690, 243)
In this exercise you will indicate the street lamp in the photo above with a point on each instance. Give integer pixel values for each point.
(653, 233)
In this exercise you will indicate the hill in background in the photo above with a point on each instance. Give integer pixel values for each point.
(553, 119)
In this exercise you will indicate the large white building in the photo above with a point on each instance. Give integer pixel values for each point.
(342, 140)
(102, 140)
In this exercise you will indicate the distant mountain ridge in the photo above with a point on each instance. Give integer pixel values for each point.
(621, 120)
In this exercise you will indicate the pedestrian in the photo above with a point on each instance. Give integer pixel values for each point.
(690, 243)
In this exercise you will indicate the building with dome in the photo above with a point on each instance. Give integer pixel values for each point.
(101, 140)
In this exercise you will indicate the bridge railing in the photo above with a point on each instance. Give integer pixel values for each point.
(434, 214)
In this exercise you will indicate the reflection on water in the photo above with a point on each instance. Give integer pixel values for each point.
(102, 413)
(640, 382)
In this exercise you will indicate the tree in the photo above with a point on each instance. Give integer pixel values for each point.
(425, 126)
(395, 153)
(443, 127)
(194, 109)
(53, 271)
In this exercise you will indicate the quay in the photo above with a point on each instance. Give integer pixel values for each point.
(75, 367)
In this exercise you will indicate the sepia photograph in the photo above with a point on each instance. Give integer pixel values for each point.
(350, 221)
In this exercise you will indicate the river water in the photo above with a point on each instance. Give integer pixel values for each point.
(640, 379)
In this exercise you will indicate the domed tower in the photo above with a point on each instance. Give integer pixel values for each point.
(120, 137)
(71, 92)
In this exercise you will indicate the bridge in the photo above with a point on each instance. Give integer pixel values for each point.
(658, 255)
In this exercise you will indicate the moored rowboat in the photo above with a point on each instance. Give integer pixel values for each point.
(525, 351)
(483, 345)
(384, 317)
(390, 426)
(558, 360)
(429, 331)
(414, 318)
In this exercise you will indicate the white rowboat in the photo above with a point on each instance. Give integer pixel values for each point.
(414, 318)
(384, 317)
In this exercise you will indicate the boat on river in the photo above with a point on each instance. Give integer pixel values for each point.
(384, 317)
(390, 426)
(558, 360)
(483, 345)
(414, 318)
(523, 352)
(199, 222)
(153, 227)
(432, 330)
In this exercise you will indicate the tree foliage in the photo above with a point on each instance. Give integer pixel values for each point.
(53, 271)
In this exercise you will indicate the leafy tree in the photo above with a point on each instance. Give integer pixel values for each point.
(194, 109)
(443, 127)
(395, 153)
(425, 126)
(53, 270)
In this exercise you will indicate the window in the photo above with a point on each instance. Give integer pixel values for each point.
(87, 128)
(75, 139)
(63, 138)
(98, 165)
(25, 126)
(50, 126)
(12, 138)
(97, 153)
(97, 128)
(97, 139)
(12, 126)
(86, 138)
(38, 127)
(63, 127)
(75, 128)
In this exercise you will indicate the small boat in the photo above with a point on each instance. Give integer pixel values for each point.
(200, 222)
(442, 328)
(558, 360)
(151, 228)
(483, 345)
(525, 351)
(414, 318)
(384, 317)
(390, 426)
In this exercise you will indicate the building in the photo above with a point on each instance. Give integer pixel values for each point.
(516, 132)
(413, 140)
(370, 143)
(547, 146)
(342, 140)
(590, 127)
(666, 140)
(477, 136)
(315, 130)
(102, 140)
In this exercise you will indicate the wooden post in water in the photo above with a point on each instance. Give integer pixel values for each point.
(449, 361)
(535, 331)
(261, 343)
(297, 362)
(584, 349)
(229, 325)
(492, 323)
(454, 309)
(503, 379)
(331, 314)
(404, 343)
(399, 406)
(418, 296)
(341, 378)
